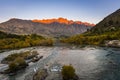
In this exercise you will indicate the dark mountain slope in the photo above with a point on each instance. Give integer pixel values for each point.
(104, 33)
(110, 23)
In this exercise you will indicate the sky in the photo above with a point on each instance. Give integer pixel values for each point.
(91, 11)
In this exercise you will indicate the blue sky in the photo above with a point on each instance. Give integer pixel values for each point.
(83, 10)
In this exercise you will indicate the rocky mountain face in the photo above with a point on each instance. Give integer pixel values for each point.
(53, 28)
(62, 21)
(109, 23)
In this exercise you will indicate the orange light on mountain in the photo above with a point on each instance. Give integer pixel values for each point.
(62, 20)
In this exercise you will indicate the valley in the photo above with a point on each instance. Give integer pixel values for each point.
(60, 49)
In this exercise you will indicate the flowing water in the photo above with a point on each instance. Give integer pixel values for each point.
(90, 63)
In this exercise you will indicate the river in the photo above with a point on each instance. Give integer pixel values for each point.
(90, 63)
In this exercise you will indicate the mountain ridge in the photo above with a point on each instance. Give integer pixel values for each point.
(55, 29)
(62, 20)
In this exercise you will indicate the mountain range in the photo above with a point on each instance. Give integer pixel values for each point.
(101, 34)
(62, 21)
(46, 27)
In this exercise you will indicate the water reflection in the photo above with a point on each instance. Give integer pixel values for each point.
(92, 64)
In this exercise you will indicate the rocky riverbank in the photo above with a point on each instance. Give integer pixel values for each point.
(113, 43)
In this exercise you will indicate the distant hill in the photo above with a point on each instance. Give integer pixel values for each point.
(54, 28)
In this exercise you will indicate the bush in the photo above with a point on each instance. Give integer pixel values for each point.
(20, 62)
(68, 73)
(17, 64)
(12, 66)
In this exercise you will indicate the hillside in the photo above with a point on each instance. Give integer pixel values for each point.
(104, 33)
(109, 23)
(52, 29)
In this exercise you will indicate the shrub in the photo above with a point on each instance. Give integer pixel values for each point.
(68, 72)
(17, 64)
